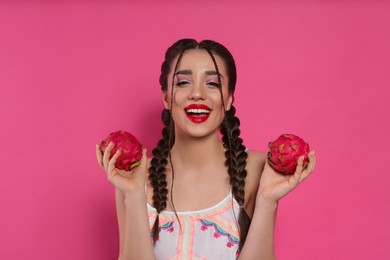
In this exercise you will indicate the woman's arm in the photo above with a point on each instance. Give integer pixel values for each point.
(121, 217)
(259, 243)
(134, 232)
(131, 203)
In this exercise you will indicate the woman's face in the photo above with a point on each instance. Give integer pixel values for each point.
(197, 107)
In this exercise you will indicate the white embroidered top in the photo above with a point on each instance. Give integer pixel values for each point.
(209, 234)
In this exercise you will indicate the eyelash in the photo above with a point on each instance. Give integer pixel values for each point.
(215, 84)
(181, 83)
(212, 83)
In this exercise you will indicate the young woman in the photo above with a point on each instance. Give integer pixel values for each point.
(199, 196)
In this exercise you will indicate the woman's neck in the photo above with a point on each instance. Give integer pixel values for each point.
(194, 152)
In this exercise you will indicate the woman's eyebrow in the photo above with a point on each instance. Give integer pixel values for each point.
(183, 72)
(212, 72)
(189, 72)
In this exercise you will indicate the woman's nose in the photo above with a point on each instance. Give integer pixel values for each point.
(197, 92)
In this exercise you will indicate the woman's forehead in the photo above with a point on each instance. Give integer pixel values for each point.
(199, 59)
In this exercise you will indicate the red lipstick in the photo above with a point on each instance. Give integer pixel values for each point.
(197, 113)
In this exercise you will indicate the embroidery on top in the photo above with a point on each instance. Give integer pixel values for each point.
(218, 232)
(167, 226)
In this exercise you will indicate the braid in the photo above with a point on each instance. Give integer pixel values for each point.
(236, 161)
(235, 157)
(157, 171)
(161, 154)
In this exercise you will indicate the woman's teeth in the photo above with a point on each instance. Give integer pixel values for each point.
(198, 111)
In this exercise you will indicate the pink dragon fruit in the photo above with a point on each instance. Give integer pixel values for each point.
(284, 153)
(130, 147)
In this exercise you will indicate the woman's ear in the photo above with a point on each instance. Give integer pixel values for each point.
(165, 100)
(229, 102)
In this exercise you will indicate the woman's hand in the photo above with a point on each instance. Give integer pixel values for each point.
(129, 182)
(274, 186)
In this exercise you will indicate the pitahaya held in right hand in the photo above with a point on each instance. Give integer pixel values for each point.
(284, 153)
(130, 147)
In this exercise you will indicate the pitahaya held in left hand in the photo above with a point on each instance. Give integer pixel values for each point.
(130, 147)
(284, 153)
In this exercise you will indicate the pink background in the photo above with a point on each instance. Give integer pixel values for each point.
(71, 72)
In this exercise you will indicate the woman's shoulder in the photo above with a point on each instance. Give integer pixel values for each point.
(255, 161)
(254, 167)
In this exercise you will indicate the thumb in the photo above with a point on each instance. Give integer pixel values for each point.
(141, 168)
(144, 157)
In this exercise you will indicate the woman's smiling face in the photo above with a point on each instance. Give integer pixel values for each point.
(197, 107)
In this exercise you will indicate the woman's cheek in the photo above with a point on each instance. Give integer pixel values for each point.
(179, 96)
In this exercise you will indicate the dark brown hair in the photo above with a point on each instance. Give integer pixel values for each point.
(235, 150)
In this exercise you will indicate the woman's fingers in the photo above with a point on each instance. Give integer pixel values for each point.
(111, 164)
(106, 156)
(298, 171)
(312, 161)
(144, 161)
(310, 167)
(144, 157)
(274, 187)
(99, 156)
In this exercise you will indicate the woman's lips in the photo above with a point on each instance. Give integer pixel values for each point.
(198, 118)
(197, 113)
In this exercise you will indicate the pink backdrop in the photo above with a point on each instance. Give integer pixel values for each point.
(72, 72)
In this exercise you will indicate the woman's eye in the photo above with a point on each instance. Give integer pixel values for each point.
(182, 83)
(214, 84)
